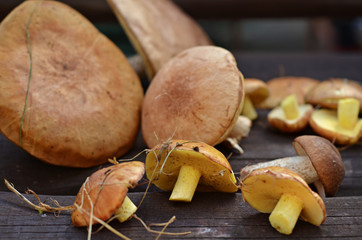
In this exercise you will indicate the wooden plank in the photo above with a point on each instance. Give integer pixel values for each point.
(209, 215)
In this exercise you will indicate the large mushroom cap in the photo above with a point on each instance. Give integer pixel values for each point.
(84, 98)
(163, 164)
(158, 30)
(104, 191)
(328, 92)
(325, 158)
(197, 95)
(263, 187)
(281, 87)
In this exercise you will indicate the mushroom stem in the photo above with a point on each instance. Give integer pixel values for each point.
(290, 107)
(186, 184)
(286, 213)
(348, 110)
(126, 210)
(299, 164)
(249, 109)
(240, 130)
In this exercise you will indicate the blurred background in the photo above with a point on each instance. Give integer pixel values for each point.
(250, 25)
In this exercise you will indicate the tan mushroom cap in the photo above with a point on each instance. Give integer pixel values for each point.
(325, 123)
(277, 119)
(328, 92)
(197, 95)
(263, 187)
(158, 30)
(216, 172)
(325, 158)
(282, 87)
(106, 188)
(256, 89)
(84, 98)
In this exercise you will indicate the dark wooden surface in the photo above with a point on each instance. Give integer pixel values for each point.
(209, 215)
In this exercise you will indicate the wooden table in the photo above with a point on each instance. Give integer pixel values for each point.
(209, 215)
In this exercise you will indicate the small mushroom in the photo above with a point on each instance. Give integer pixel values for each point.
(342, 125)
(158, 30)
(256, 91)
(197, 95)
(327, 93)
(186, 166)
(290, 116)
(104, 194)
(282, 87)
(285, 195)
(318, 162)
(77, 101)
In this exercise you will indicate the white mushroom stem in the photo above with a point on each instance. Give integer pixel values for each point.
(290, 107)
(126, 210)
(348, 110)
(286, 213)
(240, 130)
(186, 184)
(299, 164)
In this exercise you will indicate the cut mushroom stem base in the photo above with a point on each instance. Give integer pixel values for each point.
(286, 213)
(348, 110)
(126, 210)
(186, 184)
(290, 107)
(249, 109)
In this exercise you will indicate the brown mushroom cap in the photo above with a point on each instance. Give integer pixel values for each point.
(256, 89)
(263, 187)
(282, 87)
(328, 92)
(325, 158)
(84, 98)
(106, 188)
(197, 95)
(158, 30)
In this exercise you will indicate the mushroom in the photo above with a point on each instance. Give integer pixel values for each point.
(256, 91)
(290, 116)
(318, 162)
(282, 87)
(186, 166)
(158, 30)
(69, 95)
(327, 93)
(285, 195)
(342, 125)
(104, 194)
(197, 95)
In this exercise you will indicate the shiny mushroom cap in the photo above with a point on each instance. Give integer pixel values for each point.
(216, 172)
(104, 191)
(328, 92)
(84, 98)
(158, 30)
(325, 158)
(281, 87)
(197, 95)
(256, 89)
(263, 187)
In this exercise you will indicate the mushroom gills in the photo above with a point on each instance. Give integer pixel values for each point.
(126, 210)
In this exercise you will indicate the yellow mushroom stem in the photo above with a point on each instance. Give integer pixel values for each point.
(290, 107)
(249, 109)
(286, 213)
(186, 184)
(126, 210)
(348, 110)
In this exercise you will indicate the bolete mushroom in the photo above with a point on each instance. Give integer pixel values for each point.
(69, 96)
(197, 95)
(327, 93)
(285, 195)
(104, 194)
(318, 162)
(342, 125)
(256, 91)
(184, 166)
(282, 87)
(290, 116)
(158, 30)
